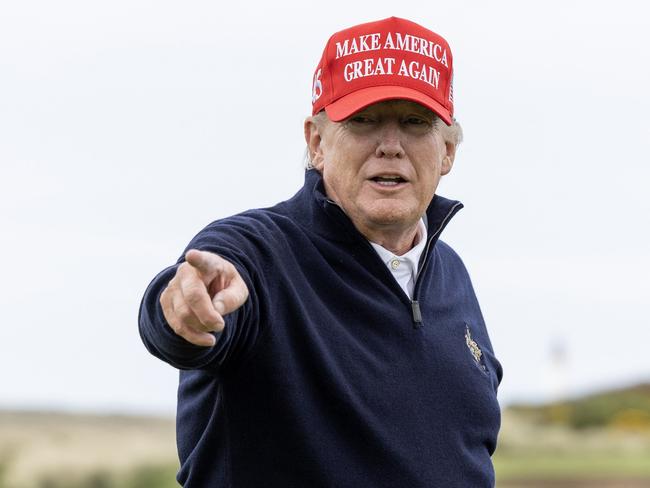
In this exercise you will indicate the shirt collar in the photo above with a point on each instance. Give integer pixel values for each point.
(412, 256)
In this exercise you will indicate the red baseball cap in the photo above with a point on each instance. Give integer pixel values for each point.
(384, 60)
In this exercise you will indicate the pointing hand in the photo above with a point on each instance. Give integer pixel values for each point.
(205, 288)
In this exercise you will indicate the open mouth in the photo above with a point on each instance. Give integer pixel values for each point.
(388, 180)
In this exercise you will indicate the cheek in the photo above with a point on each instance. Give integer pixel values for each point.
(334, 178)
(430, 177)
(339, 170)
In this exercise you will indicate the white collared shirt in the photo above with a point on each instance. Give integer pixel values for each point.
(405, 267)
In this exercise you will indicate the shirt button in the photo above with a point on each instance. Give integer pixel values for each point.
(394, 263)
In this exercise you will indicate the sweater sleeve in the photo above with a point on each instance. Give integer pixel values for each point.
(242, 327)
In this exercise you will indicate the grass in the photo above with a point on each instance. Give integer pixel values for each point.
(140, 477)
(547, 465)
(56, 450)
(532, 450)
(537, 448)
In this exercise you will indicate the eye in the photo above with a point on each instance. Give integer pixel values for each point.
(361, 119)
(415, 120)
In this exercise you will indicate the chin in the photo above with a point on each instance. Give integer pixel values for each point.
(393, 215)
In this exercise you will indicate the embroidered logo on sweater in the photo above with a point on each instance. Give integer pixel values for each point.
(473, 347)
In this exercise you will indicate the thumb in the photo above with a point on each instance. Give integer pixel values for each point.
(232, 297)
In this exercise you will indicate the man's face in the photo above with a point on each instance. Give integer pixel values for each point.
(382, 165)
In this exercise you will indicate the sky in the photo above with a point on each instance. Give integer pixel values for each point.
(127, 126)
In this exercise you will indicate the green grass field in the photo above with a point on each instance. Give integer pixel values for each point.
(574, 466)
(56, 450)
(596, 441)
(538, 448)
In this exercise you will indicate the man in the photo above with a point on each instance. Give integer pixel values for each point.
(333, 340)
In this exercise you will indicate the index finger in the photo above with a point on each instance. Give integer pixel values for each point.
(207, 263)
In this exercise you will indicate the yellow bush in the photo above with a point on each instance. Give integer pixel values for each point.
(631, 420)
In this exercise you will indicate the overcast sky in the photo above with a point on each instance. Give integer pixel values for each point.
(127, 126)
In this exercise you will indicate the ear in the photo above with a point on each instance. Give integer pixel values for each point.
(313, 139)
(448, 159)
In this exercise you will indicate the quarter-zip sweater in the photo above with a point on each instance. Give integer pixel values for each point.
(330, 375)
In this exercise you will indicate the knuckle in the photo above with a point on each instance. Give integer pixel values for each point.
(185, 270)
(243, 289)
(232, 271)
(193, 296)
(187, 333)
(184, 333)
(185, 315)
(219, 267)
(165, 295)
(212, 323)
(167, 309)
(220, 263)
(174, 325)
(241, 294)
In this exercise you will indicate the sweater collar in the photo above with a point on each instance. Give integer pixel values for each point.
(313, 197)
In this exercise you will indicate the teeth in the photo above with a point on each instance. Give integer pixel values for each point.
(388, 180)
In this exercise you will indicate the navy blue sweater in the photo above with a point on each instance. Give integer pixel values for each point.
(329, 375)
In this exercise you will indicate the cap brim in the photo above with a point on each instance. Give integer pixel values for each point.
(349, 104)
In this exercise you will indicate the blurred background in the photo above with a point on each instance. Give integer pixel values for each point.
(127, 126)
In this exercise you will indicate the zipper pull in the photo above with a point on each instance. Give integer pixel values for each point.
(417, 315)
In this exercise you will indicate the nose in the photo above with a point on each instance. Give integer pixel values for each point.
(389, 143)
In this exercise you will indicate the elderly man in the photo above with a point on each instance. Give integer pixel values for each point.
(333, 340)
